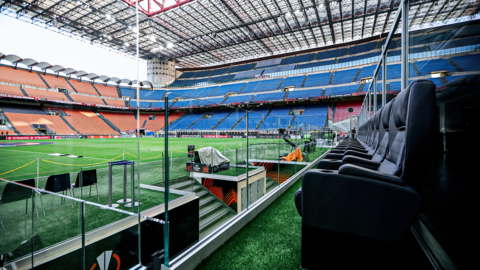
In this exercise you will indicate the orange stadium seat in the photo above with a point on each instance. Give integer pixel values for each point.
(22, 122)
(159, 122)
(49, 95)
(108, 91)
(341, 112)
(55, 82)
(11, 90)
(115, 102)
(124, 121)
(83, 87)
(87, 122)
(4, 132)
(19, 76)
(86, 99)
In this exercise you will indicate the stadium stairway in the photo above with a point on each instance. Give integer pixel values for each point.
(9, 124)
(457, 67)
(358, 73)
(96, 90)
(417, 70)
(120, 94)
(304, 80)
(104, 101)
(107, 121)
(71, 85)
(292, 121)
(43, 80)
(263, 118)
(68, 96)
(201, 117)
(23, 91)
(213, 212)
(213, 92)
(443, 80)
(144, 123)
(221, 120)
(360, 89)
(239, 120)
(68, 124)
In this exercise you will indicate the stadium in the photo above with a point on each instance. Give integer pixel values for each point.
(249, 135)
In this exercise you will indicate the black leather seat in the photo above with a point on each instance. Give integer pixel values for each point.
(359, 205)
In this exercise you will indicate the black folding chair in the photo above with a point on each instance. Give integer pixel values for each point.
(14, 193)
(59, 182)
(89, 178)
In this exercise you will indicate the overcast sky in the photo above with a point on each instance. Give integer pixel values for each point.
(29, 41)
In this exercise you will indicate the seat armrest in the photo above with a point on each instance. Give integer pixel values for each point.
(353, 170)
(337, 151)
(334, 156)
(356, 149)
(358, 206)
(357, 154)
(363, 162)
(330, 164)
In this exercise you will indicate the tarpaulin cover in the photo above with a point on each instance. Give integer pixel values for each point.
(210, 155)
(295, 154)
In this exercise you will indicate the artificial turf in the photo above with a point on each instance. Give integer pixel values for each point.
(272, 240)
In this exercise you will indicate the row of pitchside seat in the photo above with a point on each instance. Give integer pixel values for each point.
(362, 198)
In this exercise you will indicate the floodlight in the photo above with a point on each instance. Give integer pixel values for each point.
(169, 45)
(152, 38)
(108, 16)
(126, 44)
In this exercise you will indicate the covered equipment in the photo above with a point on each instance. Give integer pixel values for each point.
(213, 157)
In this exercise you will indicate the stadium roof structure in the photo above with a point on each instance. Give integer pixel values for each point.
(217, 32)
(56, 69)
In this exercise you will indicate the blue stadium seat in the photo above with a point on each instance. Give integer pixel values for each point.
(159, 104)
(249, 74)
(316, 64)
(269, 96)
(428, 66)
(317, 92)
(280, 111)
(331, 54)
(221, 79)
(177, 83)
(182, 94)
(321, 79)
(468, 62)
(238, 99)
(227, 124)
(292, 81)
(153, 95)
(200, 74)
(299, 59)
(241, 68)
(358, 57)
(279, 69)
(219, 71)
(210, 101)
(143, 104)
(186, 121)
(182, 103)
(344, 76)
(195, 82)
(269, 63)
(341, 90)
(187, 75)
(362, 48)
(224, 89)
(261, 86)
(202, 92)
(127, 92)
(316, 120)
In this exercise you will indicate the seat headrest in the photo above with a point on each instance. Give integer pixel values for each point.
(401, 105)
(386, 114)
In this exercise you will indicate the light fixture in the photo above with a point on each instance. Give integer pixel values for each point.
(169, 45)
(108, 16)
(126, 44)
(152, 38)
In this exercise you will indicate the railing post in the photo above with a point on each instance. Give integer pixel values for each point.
(167, 188)
(384, 76)
(405, 44)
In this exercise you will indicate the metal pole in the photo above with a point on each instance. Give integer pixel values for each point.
(375, 93)
(248, 146)
(83, 235)
(384, 76)
(138, 130)
(38, 171)
(167, 187)
(110, 184)
(81, 183)
(405, 44)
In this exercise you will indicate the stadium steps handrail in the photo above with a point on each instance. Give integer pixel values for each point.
(291, 121)
(457, 67)
(104, 101)
(362, 85)
(213, 91)
(358, 74)
(285, 95)
(221, 120)
(417, 70)
(68, 124)
(119, 92)
(9, 123)
(68, 96)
